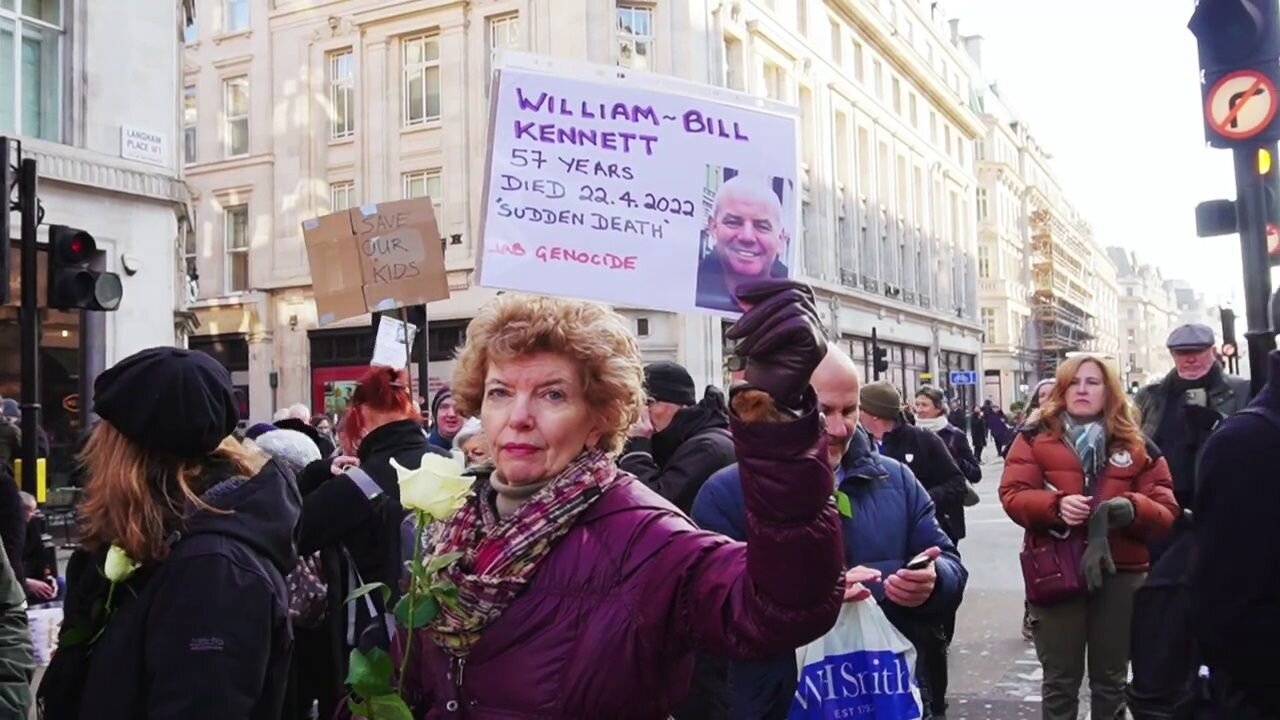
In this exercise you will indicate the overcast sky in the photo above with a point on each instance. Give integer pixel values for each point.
(1110, 89)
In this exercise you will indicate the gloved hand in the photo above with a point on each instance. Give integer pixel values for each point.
(780, 338)
(1097, 562)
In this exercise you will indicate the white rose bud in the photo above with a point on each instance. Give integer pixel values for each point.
(437, 488)
(119, 566)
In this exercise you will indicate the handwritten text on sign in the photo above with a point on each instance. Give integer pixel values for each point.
(599, 188)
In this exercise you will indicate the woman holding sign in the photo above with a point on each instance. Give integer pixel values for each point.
(581, 593)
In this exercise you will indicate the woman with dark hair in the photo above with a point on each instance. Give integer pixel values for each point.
(355, 526)
(1089, 487)
(931, 414)
(199, 532)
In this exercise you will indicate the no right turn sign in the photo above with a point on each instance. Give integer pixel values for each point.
(1241, 105)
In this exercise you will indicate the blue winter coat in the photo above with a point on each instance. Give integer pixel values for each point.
(893, 521)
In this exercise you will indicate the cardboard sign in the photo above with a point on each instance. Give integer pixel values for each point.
(378, 256)
(391, 348)
(636, 190)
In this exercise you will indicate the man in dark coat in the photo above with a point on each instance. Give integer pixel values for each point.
(978, 431)
(892, 522)
(1179, 412)
(1236, 587)
(683, 441)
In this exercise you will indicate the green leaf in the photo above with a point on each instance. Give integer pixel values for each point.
(444, 589)
(440, 562)
(388, 707)
(425, 609)
(370, 673)
(368, 588)
(844, 504)
(358, 709)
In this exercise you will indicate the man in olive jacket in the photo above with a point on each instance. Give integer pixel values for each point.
(16, 662)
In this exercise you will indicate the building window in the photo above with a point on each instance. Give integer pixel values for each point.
(235, 108)
(878, 71)
(897, 96)
(235, 228)
(933, 127)
(984, 262)
(342, 94)
(775, 82)
(235, 15)
(421, 80)
(734, 78)
(189, 124)
(989, 323)
(642, 327)
(426, 183)
(31, 39)
(189, 253)
(190, 32)
(504, 32)
(802, 17)
(858, 68)
(837, 45)
(342, 195)
(946, 134)
(982, 204)
(913, 111)
(635, 37)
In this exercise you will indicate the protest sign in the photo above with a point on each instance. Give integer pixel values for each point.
(378, 256)
(635, 189)
(391, 347)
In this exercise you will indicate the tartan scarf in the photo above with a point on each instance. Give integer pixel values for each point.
(500, 556)
(1089, 440)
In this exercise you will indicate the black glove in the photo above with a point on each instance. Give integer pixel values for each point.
(780, 338)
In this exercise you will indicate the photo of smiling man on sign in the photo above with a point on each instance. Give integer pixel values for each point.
(747, 240)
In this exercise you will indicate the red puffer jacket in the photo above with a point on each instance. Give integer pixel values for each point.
(609, 623)
(1041, 468)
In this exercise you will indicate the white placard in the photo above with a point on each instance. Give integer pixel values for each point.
(608, 186)
(391, 348)
(143, 145)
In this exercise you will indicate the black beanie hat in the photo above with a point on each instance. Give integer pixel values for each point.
(442, 394)
(169, 400)
(669, 382)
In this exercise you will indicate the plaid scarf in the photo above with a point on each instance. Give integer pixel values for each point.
(500, 556)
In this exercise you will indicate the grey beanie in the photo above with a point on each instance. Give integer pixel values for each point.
(290, 448)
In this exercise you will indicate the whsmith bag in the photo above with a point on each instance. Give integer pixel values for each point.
(862, 668)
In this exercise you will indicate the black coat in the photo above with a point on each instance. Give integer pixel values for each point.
(13, 523)
(958, 446)
(1236, 586)
(927, 456)
(337, 519)
(676, 462)
(203, 634)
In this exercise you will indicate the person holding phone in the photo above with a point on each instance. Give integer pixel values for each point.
(894, 549)
(1180, 411)
(1084, 467)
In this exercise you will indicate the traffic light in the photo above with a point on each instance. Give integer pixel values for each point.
(72, 283)
(1233, 33)
(881, 359)
(1228, 317)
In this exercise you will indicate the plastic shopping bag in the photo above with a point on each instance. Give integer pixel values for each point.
(862, 668)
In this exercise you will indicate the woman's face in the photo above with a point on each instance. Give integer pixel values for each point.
(1043, 393)
(536, 416)
(324, 427)
(476, 448)
(925, 408)
(1087, 395)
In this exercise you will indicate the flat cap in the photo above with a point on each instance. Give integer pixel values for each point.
(168, 400)
(1192, 336)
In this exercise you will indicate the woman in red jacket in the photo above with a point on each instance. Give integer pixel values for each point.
(1082, 465)
(582, 593)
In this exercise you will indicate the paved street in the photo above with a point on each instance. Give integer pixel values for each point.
(994, 672)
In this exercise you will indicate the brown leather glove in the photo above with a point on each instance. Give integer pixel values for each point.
(780, 338)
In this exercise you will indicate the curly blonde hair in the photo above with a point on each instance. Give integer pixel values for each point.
(594, 337)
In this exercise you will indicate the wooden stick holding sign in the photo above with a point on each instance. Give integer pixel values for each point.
(408, 349)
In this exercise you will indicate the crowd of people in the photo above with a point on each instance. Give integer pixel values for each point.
(633, 547)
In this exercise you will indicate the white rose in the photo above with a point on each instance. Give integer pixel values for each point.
(437, 488)
(119, 566)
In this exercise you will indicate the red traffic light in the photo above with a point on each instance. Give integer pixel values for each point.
(71, 245)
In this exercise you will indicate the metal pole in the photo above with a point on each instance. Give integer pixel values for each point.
(30, 325)
(6, 179)
(875, 356)
(424, 384)
(1251, 209)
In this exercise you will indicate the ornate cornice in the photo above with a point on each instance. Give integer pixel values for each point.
(63, 163)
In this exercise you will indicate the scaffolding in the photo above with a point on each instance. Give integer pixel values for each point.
(1060, 294)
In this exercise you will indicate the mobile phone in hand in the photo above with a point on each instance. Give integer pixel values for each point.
(919, 562)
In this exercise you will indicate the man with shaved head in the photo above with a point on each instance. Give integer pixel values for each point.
(747, 242)
(891, 521)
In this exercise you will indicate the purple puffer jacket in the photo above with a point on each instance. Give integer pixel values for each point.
(609, 623)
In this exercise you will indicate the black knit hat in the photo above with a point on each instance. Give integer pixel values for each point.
(168, 400)
(669, 382)
(442, 394)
